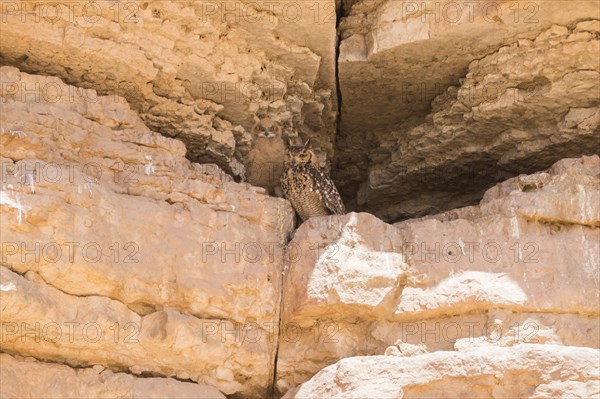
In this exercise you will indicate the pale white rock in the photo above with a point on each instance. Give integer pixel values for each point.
(502, 273)
(403, 349)
(486, 372)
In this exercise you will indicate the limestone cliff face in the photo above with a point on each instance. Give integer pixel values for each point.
(29, 378)
(210, 73)
(144, 252)
(517, 110)
(520, 268)
(442, 100)
(485, 371)
(118, 251)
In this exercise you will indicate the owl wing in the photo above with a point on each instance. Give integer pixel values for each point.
(326, 188)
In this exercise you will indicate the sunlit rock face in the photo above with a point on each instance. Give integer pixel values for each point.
(119, 252)
(26, 377)
(122, 260)
(483, 372)
(144, 252)
(519, 268)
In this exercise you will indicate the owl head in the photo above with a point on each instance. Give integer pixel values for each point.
(302, 155)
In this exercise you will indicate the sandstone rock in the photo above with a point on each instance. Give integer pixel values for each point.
(403, 349)
(441, 100)
(520, 125)
(41, 321)
(519, 268)
(128, 271)
(104, 215)
(29, 378)
(204, 72)
(535, 371)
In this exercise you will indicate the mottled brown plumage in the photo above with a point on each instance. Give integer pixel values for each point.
(310, 190)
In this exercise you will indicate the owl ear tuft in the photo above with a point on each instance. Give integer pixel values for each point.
(308, 145)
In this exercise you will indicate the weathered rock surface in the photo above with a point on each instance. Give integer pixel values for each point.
(523, 371)
(27, 378)
(127, 270)
(211, 73)
(522, 267)
(441, 100)
(235, 79)
(106, 222)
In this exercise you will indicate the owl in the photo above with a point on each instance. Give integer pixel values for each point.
(310, 190)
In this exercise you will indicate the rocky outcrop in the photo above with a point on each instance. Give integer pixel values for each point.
(119, 252)
(213, 74)
(236, 79)
(443, 100)
(128, 270)
(520, 268)
(28, 378)
(525, 371)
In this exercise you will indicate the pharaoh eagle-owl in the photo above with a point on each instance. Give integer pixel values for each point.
(310, 190)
